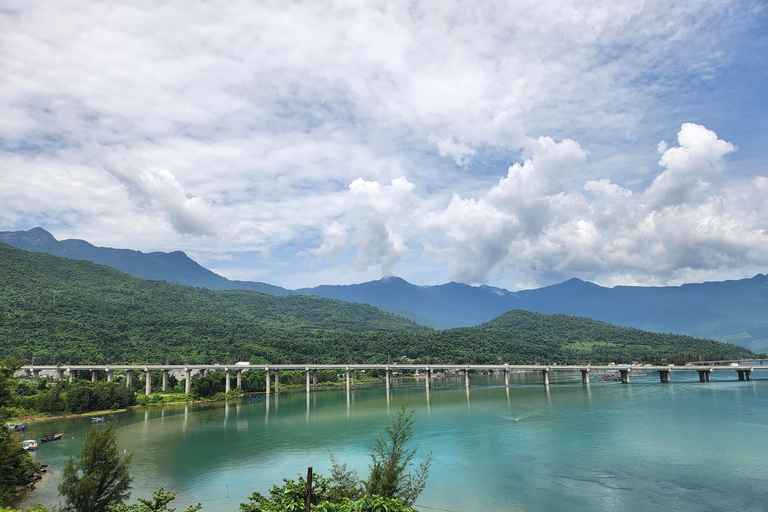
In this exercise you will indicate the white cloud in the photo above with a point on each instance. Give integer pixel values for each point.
(376, 222)
(533, 225)
(698, 158)
(334, 242)
(159, 191)
(261, 131)
(461, 153)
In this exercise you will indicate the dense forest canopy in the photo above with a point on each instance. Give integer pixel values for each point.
(59, 311)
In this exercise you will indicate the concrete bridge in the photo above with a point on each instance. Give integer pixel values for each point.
(705, 372)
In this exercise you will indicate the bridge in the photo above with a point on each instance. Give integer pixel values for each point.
(704, 371)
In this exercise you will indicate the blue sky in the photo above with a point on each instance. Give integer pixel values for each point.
(516, 144)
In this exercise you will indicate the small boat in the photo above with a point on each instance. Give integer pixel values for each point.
(29, 444)
(17, 427)
(97, 418)
(52, 437)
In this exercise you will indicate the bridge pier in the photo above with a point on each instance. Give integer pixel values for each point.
(353, 380)
(60, 373)
(308, 388)
(267, 380)
(35, 374)
(506, 376)
(705, 375)
(388, 377)
(466, 377)
(72, 374)
(94, 375)
(585, 377)
(545, 376)
(428, 377)
(314, 380)
(148, 381)
(110, 375)
(128, 378)
(624, 373)
(745, 374)
(226, 380)
(664, 376)
(201, 372)
(164, 385)
(187, 380)
(277, 383)
(240, 379)
(346, 378)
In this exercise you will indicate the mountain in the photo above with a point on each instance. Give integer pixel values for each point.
(731, 311)
(444, 306)
(174, 267)
(60, 310)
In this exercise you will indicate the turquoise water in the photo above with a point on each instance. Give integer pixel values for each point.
(684, 446)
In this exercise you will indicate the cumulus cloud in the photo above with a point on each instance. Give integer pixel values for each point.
(159, 191)
(376, 223)
(688, 167)
(334, 242)
(262, 132)
(536, 226)
(461, 153)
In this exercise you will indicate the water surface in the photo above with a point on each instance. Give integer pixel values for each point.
(684, 446)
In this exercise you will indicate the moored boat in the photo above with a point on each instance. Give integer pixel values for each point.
(97, 418)
(52, 437)
(29, 444)
(17, 427)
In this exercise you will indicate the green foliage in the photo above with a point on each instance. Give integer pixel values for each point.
(391, 461)
(16, 465)
(389, 488)
(365, 504)
(158, 503)
(100, 478)
(290, 496)
(100, 315)
(36, 508)
(162, 398)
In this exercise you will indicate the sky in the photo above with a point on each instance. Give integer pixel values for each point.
(516, 144)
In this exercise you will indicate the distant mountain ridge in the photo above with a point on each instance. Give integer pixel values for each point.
(732, 311)
(174, 267)
(64, 311)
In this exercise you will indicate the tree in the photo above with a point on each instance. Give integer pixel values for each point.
(100, 478)
(158, 503)
(391, 460)
(16, 465)
(7, 369)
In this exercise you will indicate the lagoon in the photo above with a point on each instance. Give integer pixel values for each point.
(684, 446)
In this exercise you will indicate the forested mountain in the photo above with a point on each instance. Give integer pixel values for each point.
(174, 267)
(59, 310)
(727, 311)
(732, 311)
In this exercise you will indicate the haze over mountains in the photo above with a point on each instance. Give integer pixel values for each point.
(732, 311)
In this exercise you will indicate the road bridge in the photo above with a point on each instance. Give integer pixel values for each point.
(743, 372)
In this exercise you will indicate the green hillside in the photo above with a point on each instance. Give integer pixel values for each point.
(65, 311)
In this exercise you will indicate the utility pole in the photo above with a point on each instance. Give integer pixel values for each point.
(308, 497)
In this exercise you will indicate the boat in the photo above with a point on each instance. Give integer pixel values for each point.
(97, 418)
(52, 437)
(29, 444)
(17, 427)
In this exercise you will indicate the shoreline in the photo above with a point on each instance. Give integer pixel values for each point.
(42, 418)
